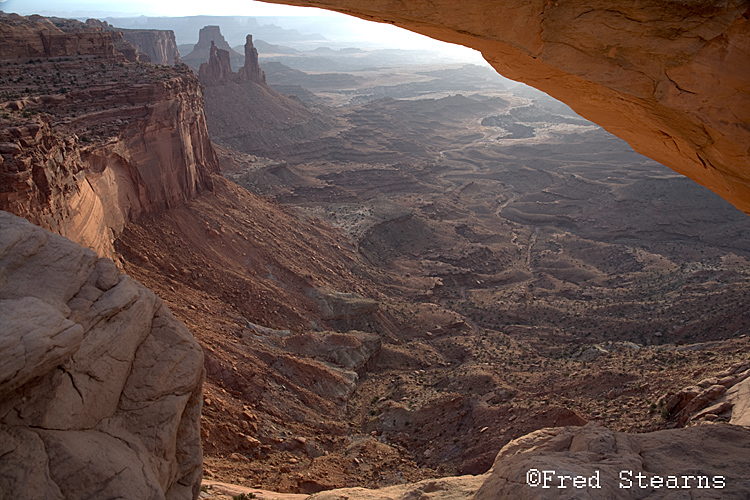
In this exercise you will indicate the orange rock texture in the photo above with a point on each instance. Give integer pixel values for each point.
(117, 140)
(669, 77)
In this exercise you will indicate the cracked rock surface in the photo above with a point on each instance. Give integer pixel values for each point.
(100, 386)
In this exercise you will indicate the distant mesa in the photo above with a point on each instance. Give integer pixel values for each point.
(276, 120)
(208, 37)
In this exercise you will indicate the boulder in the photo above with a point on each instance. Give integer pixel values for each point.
(100, 385)
(676, 463)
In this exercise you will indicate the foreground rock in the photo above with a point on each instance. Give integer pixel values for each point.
(668, 77)
(722, 398)
(698, 462)
(100, 386)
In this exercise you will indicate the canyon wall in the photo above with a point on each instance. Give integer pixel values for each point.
(159, 45)
(100, 385)
(154, 46)
(37, 36)
(121, 140)
(669, 77)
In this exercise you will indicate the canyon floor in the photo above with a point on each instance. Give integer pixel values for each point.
(519, 268)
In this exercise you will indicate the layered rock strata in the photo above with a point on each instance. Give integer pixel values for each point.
(106, 143)
(100, 386)
(37, 36)
(668, 77)
(724, 397)
(154, 46)
(159, 46)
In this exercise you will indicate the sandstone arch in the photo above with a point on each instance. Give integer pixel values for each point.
(671, 77)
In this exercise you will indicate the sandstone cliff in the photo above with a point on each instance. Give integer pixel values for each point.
(100, 386)
(668, 77)
(98, 144)
(154, 46)
(159, 45)
(36, 36)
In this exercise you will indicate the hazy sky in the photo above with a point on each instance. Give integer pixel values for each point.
(364, 30)
(156, 8)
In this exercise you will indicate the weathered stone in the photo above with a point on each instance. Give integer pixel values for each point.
(600, 456)
(37, 36)
(681, 399)
(699, 402)
(100, 386)
(217, 69)
(158, 154)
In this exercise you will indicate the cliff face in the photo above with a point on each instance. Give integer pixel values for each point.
(36, 36)
(84, 158)
(154, 46)
(668, 77)
(159, 45)
(100, 386)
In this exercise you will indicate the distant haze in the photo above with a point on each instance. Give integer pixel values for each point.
(335, 27)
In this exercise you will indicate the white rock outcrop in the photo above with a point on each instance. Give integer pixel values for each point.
(100, 385)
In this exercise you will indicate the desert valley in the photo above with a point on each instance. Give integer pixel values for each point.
(394, 265)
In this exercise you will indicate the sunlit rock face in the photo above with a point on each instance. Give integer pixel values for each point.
(669, 77)
(129, 141)
(100, 385)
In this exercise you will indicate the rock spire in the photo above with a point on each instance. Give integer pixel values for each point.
(218, 69)
(251, 70)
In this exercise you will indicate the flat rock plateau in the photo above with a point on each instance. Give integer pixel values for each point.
(406, 281)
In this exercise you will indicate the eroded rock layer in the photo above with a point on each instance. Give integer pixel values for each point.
(668, 77)
(100, 386)
(98, 143)
(154, 46)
